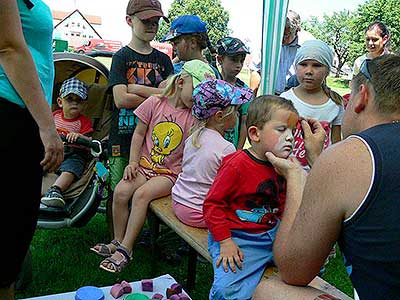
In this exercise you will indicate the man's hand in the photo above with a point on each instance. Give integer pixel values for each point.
(314, 138)
(284, 166)
(230, 255)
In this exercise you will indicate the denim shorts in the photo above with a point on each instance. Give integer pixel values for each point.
(73, 163)
(257, 250)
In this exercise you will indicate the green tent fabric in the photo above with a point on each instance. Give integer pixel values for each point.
(274, 19)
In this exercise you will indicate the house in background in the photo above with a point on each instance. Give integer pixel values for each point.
(75, 27)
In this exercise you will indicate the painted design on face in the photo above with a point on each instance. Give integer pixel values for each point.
(281, 136)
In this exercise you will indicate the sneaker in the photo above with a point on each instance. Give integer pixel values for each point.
(53, 198)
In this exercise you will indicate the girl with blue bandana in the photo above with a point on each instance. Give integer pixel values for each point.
(312, 98)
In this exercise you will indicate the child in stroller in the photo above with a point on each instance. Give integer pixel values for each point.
(71, 124)
(83, 197)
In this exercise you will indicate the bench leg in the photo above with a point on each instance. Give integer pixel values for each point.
(191, 272)
(154, 223)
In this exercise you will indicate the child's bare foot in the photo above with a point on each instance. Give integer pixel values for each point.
(106, 250)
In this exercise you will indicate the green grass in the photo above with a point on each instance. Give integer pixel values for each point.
(62, 262)
(339, 85)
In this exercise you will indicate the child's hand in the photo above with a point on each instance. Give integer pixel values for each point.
(73, 136)
(230, 255)
(130, 170)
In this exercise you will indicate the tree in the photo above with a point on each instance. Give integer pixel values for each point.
(210, 11)
(335, 30)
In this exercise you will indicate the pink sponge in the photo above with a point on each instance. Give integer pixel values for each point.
(119, 289)
(147, 285)
(157, 297)
(116, 291)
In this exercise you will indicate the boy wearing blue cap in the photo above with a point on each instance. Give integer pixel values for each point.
(188, 35)
(73, 125)
(231, 55)
(243, 217)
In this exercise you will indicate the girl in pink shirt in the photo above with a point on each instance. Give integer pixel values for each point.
(154, 163)
(215, 106)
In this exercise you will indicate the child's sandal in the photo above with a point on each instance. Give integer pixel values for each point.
(113, 265)
(104, 250)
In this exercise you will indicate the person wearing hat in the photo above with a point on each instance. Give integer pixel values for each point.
(231, 55)
(73, 125)
(137, 70)
(244, 205)
(155, 161)
(215, 107)
(188, 35)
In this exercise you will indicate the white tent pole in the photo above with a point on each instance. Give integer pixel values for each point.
(274, 19)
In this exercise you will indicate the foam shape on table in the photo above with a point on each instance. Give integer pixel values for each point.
(160, 284)
(117, 290)
(89, 293)
(177, 287)
(183, 296)
(147, 285)
(136, 296)
(157, 296)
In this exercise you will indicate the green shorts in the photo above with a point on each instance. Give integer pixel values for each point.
(117, 166)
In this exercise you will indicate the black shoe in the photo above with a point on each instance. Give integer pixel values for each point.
(53, 198)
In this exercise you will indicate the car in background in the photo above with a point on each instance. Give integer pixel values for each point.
(96, 45)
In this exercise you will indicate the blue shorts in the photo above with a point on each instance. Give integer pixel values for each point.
(73, 163)
(257, 250)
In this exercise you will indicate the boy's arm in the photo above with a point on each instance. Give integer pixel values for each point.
(142, 90)
(124, 99)
(217, 202)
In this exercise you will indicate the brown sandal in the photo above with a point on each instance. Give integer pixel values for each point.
(113, 265)
(104, 249)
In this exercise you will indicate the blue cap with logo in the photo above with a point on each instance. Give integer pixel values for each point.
(186, 24)
(73, 86)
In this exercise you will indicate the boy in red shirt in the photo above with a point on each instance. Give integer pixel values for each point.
(245, 203)
(73, 125)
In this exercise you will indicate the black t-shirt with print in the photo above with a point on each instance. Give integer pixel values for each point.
(129, 66)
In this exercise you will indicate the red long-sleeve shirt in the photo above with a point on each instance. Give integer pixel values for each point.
(247, 194)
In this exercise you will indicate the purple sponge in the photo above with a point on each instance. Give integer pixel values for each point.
(147, 285)
(177, 288)
(157, 297)
(183, 296)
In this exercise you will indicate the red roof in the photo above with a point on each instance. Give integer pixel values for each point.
(61, 15)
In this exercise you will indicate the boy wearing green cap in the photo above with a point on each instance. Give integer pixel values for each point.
(231, 55)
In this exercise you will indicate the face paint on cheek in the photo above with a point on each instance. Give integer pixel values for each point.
(292, 120)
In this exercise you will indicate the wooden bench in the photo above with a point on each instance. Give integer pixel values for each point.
(197, 238)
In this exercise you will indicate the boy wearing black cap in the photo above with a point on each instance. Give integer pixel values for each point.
(136, 72)
(231, 55)
(73, 125)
